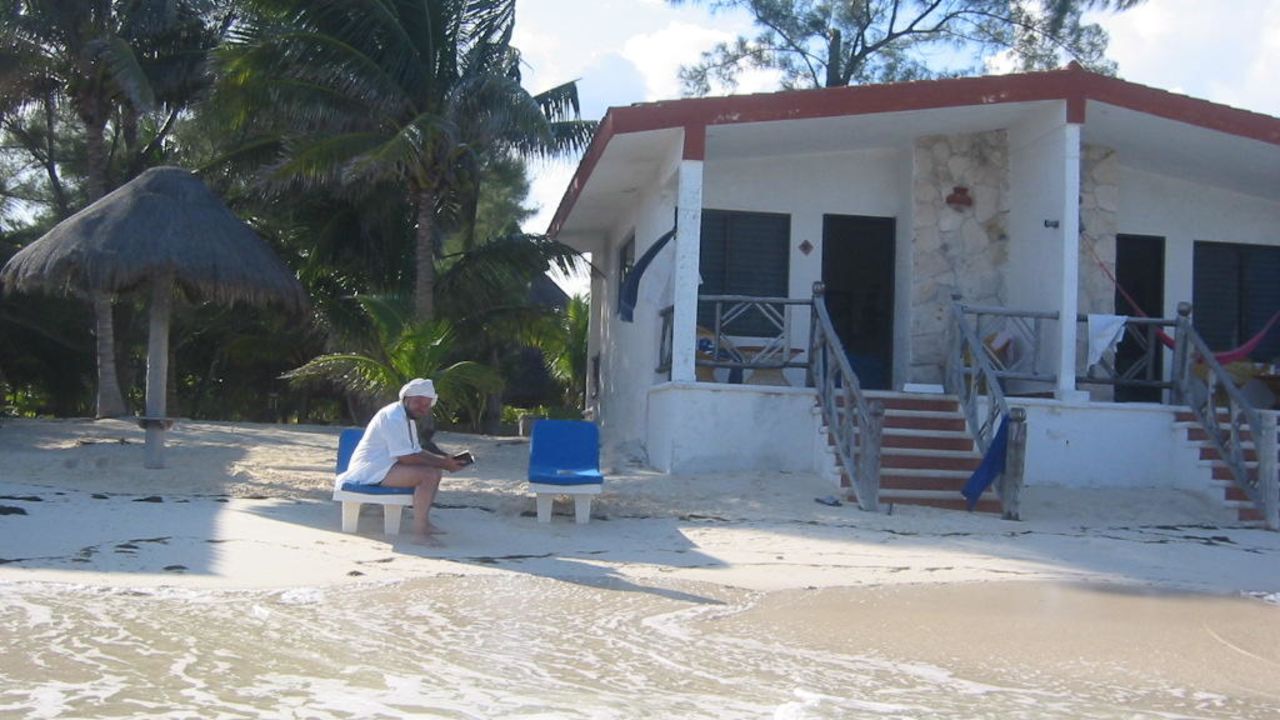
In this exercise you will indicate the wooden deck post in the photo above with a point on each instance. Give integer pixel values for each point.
(1010, 487)
(1181, 349)
(869, 457)
(1268, 466)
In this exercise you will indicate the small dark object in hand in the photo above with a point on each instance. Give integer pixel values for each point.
(464, 457)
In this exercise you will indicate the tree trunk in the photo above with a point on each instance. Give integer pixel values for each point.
(492, 421)
(110, 400)
(424, 280)
(95, 160)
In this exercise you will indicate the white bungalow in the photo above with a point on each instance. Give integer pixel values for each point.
(962, 229)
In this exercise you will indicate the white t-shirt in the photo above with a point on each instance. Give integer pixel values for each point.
(390, 434)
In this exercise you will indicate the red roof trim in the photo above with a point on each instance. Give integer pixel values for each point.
(695, 142)
(1074, 85)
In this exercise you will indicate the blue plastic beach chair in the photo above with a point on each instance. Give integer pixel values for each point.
(352, 496)
(564, 459)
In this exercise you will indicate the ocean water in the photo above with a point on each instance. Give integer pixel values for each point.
(525, 646)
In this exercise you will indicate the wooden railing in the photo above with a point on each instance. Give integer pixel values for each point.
(972, 372)
(855, 423)
(1145, 372)
(1227, 418)
(764, 322)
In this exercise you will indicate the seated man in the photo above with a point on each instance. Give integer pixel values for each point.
(390, 454)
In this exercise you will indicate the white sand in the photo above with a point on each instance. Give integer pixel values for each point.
(247, 506)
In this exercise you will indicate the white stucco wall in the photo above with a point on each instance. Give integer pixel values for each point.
(806, 187)
(711, 427)
(1182, 212)
(1044, 175)
(630, 350)
(1129, 445)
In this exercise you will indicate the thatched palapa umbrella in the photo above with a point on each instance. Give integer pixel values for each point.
(164, 227)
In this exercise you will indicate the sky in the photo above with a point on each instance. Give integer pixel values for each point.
(628, 51)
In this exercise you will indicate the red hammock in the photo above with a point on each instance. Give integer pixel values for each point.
(1224, 358)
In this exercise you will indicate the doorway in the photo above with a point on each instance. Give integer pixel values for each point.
(858, 272)
(1140, 273)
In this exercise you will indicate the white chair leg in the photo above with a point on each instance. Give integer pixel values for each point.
(350, 516)
(581, 508)
(391, 519)
(543, 501)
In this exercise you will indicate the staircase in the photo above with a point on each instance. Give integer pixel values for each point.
(1220, 479)
(926, 454)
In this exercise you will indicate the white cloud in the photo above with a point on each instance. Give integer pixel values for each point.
(1224, 52)
(659, 55)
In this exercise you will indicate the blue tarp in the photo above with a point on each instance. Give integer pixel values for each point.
(991, 468)
(631, 284)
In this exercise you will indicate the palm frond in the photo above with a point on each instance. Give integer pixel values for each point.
(353, 373)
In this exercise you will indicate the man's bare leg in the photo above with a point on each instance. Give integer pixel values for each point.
(423, 496)
(425, 482)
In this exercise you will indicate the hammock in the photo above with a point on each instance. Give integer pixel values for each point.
(1225, 357)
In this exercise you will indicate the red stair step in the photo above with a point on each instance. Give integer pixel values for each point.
(928, 462)
(913, 422)
(912, 482)
(927, 442)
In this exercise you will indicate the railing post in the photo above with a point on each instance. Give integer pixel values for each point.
(1010, 487)
(819, 295)
(1181, 349)
(1268, 481)
(869, 457)
(951, 378)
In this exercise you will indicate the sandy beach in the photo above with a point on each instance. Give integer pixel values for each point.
(243, 515)
(242, 506)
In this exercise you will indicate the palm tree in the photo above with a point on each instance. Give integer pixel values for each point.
(397, 349)
(109, 60)
(570, 362)
(352, 93)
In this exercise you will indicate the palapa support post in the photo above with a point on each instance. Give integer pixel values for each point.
(1010, 487)
(157, 370)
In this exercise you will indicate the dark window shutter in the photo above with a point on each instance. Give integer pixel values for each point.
(743, 253)
(1261, 299)
(1235, 291)
(1215, 294)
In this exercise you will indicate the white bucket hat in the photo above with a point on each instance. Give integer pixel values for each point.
(418, 387)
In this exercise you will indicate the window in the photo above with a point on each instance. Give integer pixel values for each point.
(744, 253)
(1234, 293)
(626, 261)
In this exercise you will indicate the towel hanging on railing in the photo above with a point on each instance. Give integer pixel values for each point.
(1225, 357)
(631, 284)
(992, 466)
(1105, 332)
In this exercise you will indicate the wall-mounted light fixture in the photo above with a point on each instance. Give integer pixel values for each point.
(959, 198)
